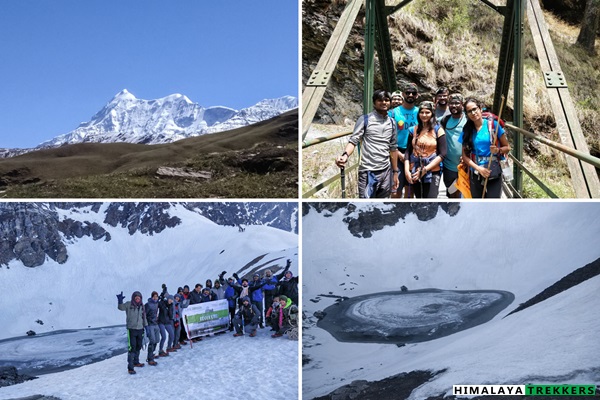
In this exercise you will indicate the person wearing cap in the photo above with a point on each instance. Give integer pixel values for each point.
(207, 296)
(257, 296)
(246, 319)
(270, 287)
(231, 297)
(426, 150)
(244, 289)
(453, 126)
(272, 315)
(218, 290)
(152, 329)
(405, 118)
(441, 103)
(288, 312)
(378, 168)
(396, 101)
(178, 305)
(165, 323)
(135, 322)
(288, 283)
(186, 299)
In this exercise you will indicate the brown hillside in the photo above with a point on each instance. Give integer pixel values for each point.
(104, 158)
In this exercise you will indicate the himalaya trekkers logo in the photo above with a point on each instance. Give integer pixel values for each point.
(527, 390)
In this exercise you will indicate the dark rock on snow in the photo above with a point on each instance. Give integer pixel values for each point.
(9, 376)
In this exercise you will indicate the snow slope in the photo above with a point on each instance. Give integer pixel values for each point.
(231, 368)
(81, 292)
(518, 247)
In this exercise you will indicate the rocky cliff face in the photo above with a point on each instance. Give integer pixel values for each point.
(34, 232)
(363, 221)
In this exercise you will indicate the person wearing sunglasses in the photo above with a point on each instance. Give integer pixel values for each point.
(424, 154)
(405, 117)
(478, 146)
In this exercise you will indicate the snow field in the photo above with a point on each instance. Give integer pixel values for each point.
(82, 292)
(224, 366)
(522, 248)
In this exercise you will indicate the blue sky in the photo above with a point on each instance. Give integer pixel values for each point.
(61, 61)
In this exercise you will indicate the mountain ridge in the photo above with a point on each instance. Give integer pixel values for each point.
(127, 119)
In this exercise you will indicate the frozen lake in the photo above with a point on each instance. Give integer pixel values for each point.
(62, 350)
(412, 316)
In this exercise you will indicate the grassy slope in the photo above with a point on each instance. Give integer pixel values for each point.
(255, 161)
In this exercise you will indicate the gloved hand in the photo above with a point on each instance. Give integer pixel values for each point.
(222, 274)
(120, 298)
(235, 275)
(287, 265)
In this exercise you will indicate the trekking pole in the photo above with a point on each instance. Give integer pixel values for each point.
(494, 136)
(420, 176)
(343, 179)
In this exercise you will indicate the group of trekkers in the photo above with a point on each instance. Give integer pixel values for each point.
(161, 318)
(406, 149)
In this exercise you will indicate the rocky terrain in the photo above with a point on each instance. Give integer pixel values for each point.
(363, 223)
(33, 231)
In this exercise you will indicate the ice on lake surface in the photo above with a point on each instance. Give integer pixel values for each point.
(410, 317)
(60, 350)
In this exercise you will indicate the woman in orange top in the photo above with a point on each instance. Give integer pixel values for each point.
(425, 153)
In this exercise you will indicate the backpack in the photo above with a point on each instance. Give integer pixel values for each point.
(491, 121)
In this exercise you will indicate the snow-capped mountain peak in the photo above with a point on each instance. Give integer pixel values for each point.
(128, 119)
(123, 95)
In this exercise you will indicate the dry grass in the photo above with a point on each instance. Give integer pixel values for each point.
(258, 161)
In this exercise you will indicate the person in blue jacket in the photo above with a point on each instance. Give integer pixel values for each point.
(231, 295)
(257, 296)
(207, 295)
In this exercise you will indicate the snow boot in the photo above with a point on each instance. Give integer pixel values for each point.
(261, 325)
(131, 372)
(139, 365)
(177, 347)
(253, 334)
(171, 350)
(276, 335)
(163, 354)
(152, 363)
(238, 334)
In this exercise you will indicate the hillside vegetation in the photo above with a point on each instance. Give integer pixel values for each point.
(456, 43)
(257, 161)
